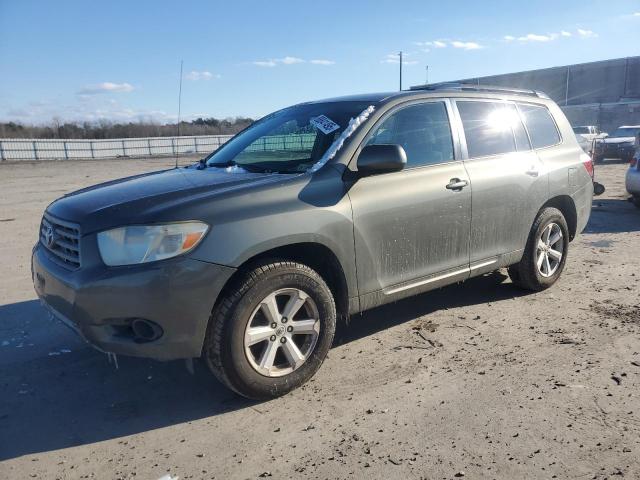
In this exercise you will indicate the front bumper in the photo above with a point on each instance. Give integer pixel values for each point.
(100, 302)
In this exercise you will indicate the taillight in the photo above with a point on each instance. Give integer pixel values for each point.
(633, 162)
(588, 163)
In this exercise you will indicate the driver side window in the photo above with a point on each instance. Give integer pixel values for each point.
(423, 131)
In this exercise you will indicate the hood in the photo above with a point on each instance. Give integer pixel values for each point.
(129, 200)
(619, 140)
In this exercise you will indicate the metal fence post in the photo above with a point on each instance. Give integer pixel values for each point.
(195, 144)
(66, 152)
(35, 151)
(149, 145)
(93, 155)
(173, 145)
(124, 149)
(1, 152)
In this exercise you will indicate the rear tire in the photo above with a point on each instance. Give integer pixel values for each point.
(253, 348)
(545, 254)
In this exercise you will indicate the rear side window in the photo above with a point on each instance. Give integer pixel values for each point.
(519, 133)
(423, 131)
(492, 128)
(542, 129)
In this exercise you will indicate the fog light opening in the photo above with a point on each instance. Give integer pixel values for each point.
(146, 331)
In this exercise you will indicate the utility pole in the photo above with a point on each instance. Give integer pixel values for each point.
(400, 70)
(427, 75)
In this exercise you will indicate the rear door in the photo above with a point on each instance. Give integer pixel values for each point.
(509, 181)
(410, 226)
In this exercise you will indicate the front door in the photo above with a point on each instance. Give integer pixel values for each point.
(412, 227)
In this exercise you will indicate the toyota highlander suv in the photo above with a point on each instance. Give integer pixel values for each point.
(249, 257)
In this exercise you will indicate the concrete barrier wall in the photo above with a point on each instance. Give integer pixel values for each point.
(607, 81)
(607, 116)
(604, 93)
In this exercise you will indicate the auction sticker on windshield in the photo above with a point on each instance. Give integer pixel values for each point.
(324, 124)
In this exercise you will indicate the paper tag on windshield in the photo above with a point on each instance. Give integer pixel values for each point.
(324, 124)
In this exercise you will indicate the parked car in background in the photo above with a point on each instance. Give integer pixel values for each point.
(632, 180)
(618, 145)
(585, 134)
(315, 212)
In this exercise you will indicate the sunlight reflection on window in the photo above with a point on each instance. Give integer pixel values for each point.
(501, 120)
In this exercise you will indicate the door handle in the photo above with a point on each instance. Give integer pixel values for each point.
(533, 171)
(456, 184)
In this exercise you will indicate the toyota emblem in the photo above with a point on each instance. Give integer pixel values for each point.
(49, 236)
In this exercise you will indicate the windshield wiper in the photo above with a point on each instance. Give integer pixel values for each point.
(291, 166)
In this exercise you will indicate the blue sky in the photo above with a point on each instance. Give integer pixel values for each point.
(120, 60)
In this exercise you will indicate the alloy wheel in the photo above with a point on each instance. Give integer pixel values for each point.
(282, 332)
(550, 250)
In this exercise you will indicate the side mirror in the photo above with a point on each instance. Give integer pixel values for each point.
(381, 159)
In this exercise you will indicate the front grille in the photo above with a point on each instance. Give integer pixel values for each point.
(62, 240)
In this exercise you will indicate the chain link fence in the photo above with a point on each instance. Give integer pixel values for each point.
(13, 149)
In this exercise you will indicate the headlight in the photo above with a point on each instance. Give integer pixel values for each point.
(148, 243)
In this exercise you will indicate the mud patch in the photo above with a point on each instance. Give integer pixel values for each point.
(602, 243)
(629, 314)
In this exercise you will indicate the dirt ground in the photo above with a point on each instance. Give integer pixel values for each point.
(477, 380)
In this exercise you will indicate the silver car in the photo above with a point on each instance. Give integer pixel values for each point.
(632, 180)
(249, 257)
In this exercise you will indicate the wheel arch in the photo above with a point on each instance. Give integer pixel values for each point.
(316, 256)
(567, 207)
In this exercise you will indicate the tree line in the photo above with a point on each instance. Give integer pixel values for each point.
(105, 129)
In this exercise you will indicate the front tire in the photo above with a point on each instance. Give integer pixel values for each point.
(546, 252)
(271, 331)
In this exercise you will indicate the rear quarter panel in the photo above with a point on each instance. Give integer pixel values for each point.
(567, 174)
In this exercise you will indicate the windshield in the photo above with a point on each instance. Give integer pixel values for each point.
(626, 132)
(287, 141)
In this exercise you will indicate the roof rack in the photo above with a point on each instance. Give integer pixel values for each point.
(469, 87)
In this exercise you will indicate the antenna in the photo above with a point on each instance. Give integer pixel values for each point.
(427, 75)
(179, 112)
(400, 70)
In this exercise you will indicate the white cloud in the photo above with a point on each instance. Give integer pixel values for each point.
(290, 60)
(636, 14)
(106, 87)
(426, 46)
(394, 58)
(587, 33)
(322, 62)
(195, 75)
(466, 45)
(548, 37)
(265, 63)
(534, 37)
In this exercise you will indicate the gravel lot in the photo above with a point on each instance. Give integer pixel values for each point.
(477, 380)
